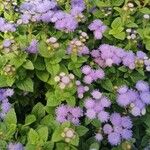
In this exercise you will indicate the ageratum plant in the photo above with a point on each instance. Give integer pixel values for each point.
(74, 75)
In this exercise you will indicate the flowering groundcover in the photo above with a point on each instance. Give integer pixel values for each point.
(74, 74)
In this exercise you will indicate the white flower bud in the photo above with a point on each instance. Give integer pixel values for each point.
(133, 36)
(57, 79)
(129, 37)
(130, 5)
(62, 74)
(52, 40)
(146, 16)
(71, 76)
(70, 133)
(128, 30)
(143, 112)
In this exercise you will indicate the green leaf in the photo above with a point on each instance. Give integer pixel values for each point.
(57, 135)
(52, 100)
(42, 75)
(96, 123)
(10, 118)
(38, 110)
(43, 133)
(43, 50)
(71, 101)
(94, 146)
(116, 23)
(25, 85)
(81, 130)
(39, 64)
(28, 65)
(145, 10)
(75, 141)
(107, 85)
(48, 145)
(30, 119)
(33, 137)
(53, 69)
(117, 2)
(120, 36)
(102, 4)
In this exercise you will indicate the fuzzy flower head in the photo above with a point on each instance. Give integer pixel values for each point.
(67, 113)
(95, 106)
(64, 80)
(98, 28)
(15, 146)
(77, 47)
(33, 47)
(118, 128)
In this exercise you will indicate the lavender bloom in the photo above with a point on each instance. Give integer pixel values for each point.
(33, 47)
(6, 27)
(77, 47)
(142, 86)
(108, 55)
(95, 107)
(6, 43)
(98, 137)
(134, 100)
(98, 28)
(92, 74)
(15, 146)
(118, 129)
(5, 105)
(114, 138)
(67, 113)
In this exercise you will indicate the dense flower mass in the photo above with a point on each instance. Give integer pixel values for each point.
(95, 106)
(74, 74)
(6, 26)
(118, 128)
(48, 11)
(108, 55)
(91, 75)
(135, 99)
(67, 113)
(98, 28)
(5, 105)
(77, 47)
(15, 146)
(64, 81)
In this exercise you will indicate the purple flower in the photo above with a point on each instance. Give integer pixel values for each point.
(107, 128)
(126, 122)
(124, 99)
(126, 134)
(114, 138)
(122, 89)
(105, 102)
(142, 86)
(15, 146)
(89, 103)
(67, 113)
(98, 137)
(103, 116)
(145, 97)
(91, 114)
(6, 43)
(96, 94)
(98, 28)
(135, 111)
(141, 55)
(33, 47)
(115, 119)
(88, 79)
(86, 69)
